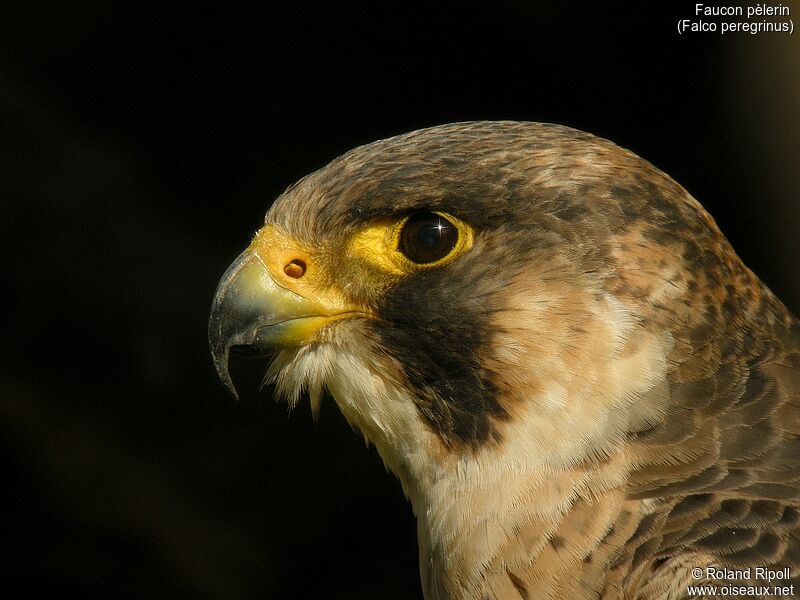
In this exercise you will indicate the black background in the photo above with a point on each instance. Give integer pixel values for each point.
(139, 150)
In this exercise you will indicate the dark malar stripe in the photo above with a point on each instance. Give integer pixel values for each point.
(438, 340)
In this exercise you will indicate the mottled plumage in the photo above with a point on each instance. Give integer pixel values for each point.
(591, 399)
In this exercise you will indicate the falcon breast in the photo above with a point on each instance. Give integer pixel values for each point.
(583, 390)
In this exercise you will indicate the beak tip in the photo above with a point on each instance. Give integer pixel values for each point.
(224, 375)
(220, 354)
(232, 390)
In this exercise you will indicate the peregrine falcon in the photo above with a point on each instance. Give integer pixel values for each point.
(582, 389)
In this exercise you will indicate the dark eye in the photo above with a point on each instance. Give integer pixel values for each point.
(427, 237)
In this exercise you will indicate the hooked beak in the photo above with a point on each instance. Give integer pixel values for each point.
(253, 313)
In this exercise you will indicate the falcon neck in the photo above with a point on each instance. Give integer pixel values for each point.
(509, 534)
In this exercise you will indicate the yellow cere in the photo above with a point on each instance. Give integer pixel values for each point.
(276, 250)
(377, 244)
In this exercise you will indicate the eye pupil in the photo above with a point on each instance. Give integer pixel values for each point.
(427, 237)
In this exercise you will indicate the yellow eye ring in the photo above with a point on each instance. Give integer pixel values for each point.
(379, 244)
(428, 239)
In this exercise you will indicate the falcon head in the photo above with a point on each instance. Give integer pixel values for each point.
(498, 308)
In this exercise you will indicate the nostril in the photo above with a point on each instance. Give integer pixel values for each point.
(295, 269)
